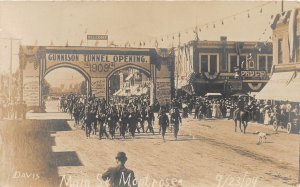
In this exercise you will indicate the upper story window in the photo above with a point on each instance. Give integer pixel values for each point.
(280, 51)
(235, 61)
(265, 63)
(209, 63)
(298, 49)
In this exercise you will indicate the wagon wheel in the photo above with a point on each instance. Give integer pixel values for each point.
(275, 125)
(289, 128)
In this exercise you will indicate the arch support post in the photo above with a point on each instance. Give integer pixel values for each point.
(98, 87)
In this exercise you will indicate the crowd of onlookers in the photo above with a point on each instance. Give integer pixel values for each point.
(261, 111)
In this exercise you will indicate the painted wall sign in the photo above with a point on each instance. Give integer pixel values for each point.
(253, 73)
(31, 91)
(97, 37)
(98, 86)
(163, 91)
(54, 57)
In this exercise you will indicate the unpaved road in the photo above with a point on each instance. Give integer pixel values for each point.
(44, 152)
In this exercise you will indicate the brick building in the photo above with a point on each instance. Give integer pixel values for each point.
(223, 66)
(285, 80)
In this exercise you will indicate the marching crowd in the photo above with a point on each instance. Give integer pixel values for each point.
(133, 115)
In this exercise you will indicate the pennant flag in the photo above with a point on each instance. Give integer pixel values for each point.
(248, 15)
(199, 29)
(214, 26)
(144, 43)
(179, 34)
(260, 10)
(81, 42)
(86, 30)
(162, 39)
(51, 43)
(36, 43)
(67, 44)
(222, 22)
(156, 43)
(173, 37)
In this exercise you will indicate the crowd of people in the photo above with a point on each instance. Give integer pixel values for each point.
(260, 111)
(135, 115)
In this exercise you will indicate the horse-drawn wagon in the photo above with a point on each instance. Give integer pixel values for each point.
(289, 122)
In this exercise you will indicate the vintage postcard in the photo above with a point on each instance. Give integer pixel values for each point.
(149, 93)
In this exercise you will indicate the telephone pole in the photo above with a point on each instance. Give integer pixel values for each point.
(10, 65)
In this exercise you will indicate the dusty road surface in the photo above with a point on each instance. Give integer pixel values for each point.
(47, 150)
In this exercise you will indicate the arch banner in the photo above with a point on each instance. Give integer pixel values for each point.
(96, 64)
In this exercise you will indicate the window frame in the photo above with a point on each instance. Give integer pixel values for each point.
(208, 61)
(238, 60)
(266, 56)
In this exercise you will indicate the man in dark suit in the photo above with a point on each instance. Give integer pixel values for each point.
(163, 121)
(176, 119)
(120, 176)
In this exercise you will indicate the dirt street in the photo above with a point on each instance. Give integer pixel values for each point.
(44, 152)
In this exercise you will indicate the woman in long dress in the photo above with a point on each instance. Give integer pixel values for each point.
(267, 118)
(214, 110)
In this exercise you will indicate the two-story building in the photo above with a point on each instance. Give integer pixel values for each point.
(285, 80)
(223, 66)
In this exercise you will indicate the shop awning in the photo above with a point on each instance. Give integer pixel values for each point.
(293, 89)
(276, 88)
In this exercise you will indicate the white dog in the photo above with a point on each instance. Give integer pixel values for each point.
(262, 137)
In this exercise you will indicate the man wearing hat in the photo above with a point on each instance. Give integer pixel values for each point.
(120, 176)
(176, 119)
(163, 121)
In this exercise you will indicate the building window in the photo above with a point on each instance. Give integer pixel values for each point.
(280, 51)
(298, 49)
(242, 62)
(209, 63)
(262, 63)
(204, 63)
(270, 63)
(265, 63)
(233, 62)
(213, 64)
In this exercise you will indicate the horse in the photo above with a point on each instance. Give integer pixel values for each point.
(243, 117)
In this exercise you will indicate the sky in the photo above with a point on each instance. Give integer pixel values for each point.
(40, 23)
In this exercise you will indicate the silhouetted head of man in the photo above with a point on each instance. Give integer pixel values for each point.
(121, 158)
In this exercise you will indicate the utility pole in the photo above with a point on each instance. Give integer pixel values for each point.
(10, 65)
(281, 5)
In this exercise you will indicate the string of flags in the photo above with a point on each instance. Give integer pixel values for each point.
(213, 24)
(190, 33)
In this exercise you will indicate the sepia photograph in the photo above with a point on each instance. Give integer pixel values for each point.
(150, 93)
